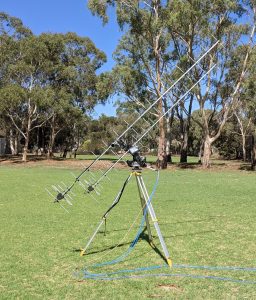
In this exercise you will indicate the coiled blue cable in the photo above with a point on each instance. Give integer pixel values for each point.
(111, 275)
(109, 278)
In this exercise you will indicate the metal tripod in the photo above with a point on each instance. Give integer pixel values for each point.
(147, 210)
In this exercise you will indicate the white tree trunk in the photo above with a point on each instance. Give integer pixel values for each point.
(207, 152)
(13, 142)
(243, 146)
(168, 139)
(25, 150)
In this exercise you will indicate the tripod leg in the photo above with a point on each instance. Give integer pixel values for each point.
(91, 239)
(154, 219)
(117, 199)
(143, 205)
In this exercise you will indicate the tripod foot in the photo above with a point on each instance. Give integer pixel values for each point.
(169, 261)
(82, 252)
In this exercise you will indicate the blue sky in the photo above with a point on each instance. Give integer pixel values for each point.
(63, 16)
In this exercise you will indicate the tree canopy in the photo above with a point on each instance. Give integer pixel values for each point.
(50, 83)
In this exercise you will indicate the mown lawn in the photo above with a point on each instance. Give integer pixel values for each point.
(206, 217)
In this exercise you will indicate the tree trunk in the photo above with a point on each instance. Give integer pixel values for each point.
(43, 139)
(185, 127)
(243, 146)
(13, 140)
(201, 151)
(168, 140)
(37, 141)
(253, 152)
(12, 147)
(16, 144)
(161, 155)
(207, 152)
(26, 136)
(49, 152)
(25, 149)
(184, 148)
(65, 152)
(51, 144)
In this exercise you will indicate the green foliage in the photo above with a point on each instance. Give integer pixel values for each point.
(249, 88)
(100, 8)
(229, 143)
(158, 34)
(100, 134)
(11, 26)
(55, 79)
(49, 78)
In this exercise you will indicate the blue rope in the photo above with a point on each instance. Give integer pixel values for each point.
(217, 268)
(176, 266)
(110, 277)
(172, 275)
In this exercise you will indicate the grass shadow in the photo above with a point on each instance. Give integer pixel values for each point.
(202, 232)
(17, 159)
(170, 223)
(245, 167)
(4, 158)
(191, 165)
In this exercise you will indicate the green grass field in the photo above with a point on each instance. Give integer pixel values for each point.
(206, 217)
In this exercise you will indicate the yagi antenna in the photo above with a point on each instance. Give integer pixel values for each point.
(63, 193)
(149, 129)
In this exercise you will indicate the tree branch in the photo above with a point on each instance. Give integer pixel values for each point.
(14, 123)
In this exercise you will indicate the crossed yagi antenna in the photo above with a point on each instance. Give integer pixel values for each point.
(179, 89)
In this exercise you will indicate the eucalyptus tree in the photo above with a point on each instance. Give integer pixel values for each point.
(244, 120)
(25, 94)
(247, 106)
(219, 94)
(71, 72)
(12, 31)
(241, 76)
(50, 78)
(142, 52)
(155, 32)
(183, 23)
(251, 94)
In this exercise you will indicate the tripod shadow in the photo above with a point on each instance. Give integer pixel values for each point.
(162, 224)
(143, 236)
